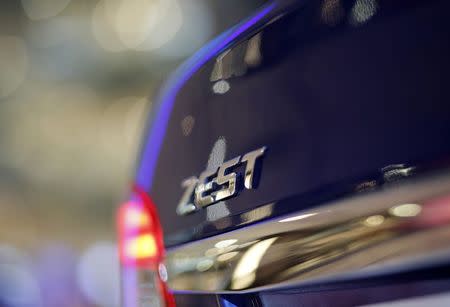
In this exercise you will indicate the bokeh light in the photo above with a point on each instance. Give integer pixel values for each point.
(221, 87)
(98, 274)
(196, 27)
(41, 9)
(187, 124)
(18, 285)
(13, 63)
(137, 24)
(362, 11)
(103, 26)
(332, 12)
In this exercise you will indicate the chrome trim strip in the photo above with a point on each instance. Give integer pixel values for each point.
(398, 227)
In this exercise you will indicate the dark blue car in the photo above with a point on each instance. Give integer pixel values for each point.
(301, 158)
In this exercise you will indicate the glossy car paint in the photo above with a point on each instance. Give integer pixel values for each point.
(344, 94)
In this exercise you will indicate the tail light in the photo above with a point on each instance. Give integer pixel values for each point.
(141, 253)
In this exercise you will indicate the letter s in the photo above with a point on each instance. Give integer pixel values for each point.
(227, 179)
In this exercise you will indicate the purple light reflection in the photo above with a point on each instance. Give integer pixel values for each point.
(150, 153)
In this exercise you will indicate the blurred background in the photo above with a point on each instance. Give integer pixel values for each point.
(77, 79)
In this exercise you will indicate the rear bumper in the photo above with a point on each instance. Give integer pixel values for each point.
(376, 246)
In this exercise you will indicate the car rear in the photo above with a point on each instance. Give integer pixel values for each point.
(300, 158)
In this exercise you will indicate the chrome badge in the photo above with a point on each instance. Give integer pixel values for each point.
(216, 184)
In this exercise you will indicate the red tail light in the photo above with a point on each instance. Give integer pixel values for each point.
(141, 253)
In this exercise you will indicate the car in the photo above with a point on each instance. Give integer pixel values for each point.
(301, 158)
